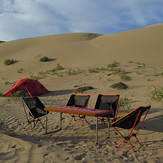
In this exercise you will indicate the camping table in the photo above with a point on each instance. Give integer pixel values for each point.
(80, 111)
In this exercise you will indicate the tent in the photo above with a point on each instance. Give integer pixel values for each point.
(27, 87)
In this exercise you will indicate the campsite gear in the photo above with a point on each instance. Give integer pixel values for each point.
(131, 121)
(27, 87)
(81, 101)
(36, 110)
(108, 102)
(80, 111)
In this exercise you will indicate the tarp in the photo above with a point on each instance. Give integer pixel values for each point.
(28, 87)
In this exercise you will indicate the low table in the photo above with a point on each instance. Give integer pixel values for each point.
(80, 111)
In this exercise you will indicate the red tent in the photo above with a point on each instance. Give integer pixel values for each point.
(28, 87)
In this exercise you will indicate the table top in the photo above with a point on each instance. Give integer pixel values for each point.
(78, 111)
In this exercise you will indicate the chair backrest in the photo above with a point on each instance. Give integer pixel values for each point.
(78, 100)
(35, 106)
(132, 118)
(108, 102)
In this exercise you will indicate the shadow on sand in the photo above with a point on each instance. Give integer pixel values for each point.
(60, 92)
(155, 122)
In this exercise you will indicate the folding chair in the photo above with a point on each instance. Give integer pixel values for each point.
(131, 121)
(108, 102)
(78, 101)
(36, 110)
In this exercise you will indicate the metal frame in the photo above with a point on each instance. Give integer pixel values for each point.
(34, 120)
(97, 119)
(132, 129)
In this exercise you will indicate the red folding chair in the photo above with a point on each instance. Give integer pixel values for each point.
(79, 100)
(132, 121)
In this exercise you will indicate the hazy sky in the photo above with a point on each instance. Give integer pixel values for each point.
(32, 18)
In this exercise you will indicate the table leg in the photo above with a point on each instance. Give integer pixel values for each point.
(60, 121)
(46, 124)
(108, 118)
(96, 130)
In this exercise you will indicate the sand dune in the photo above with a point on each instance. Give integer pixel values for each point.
(84, 50)
(144, 45)
(139, 54)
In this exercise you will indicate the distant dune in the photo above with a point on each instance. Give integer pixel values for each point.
(83, 50)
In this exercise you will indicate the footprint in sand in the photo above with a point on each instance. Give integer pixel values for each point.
(79, 157)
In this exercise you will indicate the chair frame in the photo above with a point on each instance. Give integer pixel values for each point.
(81, 117)
(34, 120)
(141, 115)
(105, 119)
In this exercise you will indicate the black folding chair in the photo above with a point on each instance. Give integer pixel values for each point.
(108, 102)
(36, 111)
(131, 121)
(78, 100)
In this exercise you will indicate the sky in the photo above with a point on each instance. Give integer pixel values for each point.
(32, 18)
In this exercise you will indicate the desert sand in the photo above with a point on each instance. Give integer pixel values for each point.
(85, 58)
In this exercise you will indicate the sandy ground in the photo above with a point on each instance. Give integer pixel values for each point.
(138, 56)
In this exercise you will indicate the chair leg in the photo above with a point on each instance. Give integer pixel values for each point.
(127, 141)
(41, 123)
(84, 120)
(73, 118)
(102, 120)
(34, 123)
(28, 123)
(138, 140)
(120, 143)
(132, 147)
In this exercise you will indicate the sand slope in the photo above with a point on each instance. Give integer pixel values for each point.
(82, 50)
